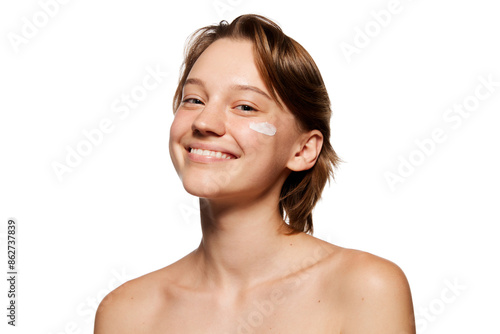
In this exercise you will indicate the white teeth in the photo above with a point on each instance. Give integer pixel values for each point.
(210, 153)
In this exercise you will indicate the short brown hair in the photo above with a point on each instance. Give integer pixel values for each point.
(291, 74)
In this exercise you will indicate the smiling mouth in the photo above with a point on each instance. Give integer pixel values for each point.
(215, 154)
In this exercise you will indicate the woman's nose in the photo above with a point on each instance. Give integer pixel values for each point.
(211, 120)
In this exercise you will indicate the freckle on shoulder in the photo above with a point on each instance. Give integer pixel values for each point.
(120, 296)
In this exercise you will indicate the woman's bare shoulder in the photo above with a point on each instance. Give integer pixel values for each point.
(131, 306)
(119, 310)
(360, 265)
(372, 289)
(353, 269)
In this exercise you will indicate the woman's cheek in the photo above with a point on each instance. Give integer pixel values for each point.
(178, 129)
(253, 136)
(181, 125)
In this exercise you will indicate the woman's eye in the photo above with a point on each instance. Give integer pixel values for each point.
(245, 107)
(192, 100)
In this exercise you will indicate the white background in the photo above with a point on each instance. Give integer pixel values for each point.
(122, 212)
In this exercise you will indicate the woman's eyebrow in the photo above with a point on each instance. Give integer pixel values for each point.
(195, 81)
(252, 88)
(199, 82)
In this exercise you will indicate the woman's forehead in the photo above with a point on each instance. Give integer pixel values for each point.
(228, 62)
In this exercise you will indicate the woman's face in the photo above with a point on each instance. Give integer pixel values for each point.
(223, 95)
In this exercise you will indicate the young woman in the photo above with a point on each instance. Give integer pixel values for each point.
(250, 138)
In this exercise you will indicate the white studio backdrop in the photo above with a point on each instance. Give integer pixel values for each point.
(415, 89)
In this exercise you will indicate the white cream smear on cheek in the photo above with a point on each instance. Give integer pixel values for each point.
(264, 128)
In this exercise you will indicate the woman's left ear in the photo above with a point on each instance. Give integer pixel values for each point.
(307, 150)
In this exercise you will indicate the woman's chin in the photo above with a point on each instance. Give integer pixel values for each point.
(205, 188)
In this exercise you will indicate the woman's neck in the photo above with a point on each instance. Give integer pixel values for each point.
(242, 243)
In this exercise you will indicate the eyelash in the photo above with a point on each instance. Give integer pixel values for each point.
(245, 105)
(195, 101)
(190, 100)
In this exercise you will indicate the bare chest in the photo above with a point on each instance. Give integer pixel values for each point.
(288, 308)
